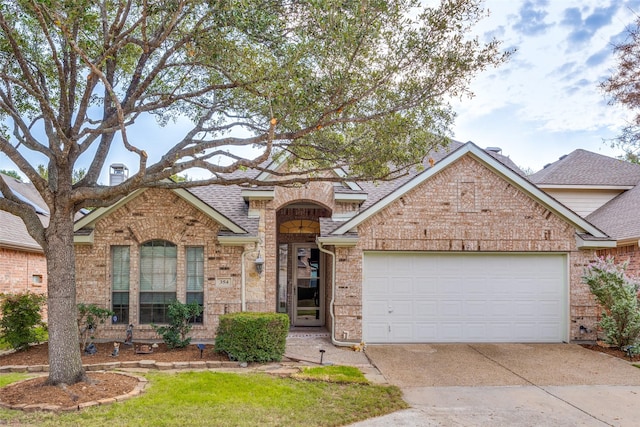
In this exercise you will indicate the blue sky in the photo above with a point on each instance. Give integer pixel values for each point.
(546, 102)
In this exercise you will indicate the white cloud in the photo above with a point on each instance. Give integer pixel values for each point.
(549, 90)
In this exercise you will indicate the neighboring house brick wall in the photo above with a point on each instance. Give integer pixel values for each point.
(20, 271)
(160, 214)
(466, 207)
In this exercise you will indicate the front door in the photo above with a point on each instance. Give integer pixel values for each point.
(308, 281)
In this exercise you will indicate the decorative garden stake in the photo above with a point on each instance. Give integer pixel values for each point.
(129, 337)
(201, 348)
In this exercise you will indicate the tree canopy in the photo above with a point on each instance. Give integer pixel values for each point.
(623, 87)
(359, 84)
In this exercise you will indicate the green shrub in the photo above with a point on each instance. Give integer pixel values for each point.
(253, 337)
(89, 317)
(21, 319)
(618, 296)
(175, 333)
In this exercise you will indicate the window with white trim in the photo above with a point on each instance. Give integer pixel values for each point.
(120, 265)
(158, 268)
(195, 278)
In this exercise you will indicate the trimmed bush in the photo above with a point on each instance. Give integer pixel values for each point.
(617, 294)
(253, 337)
(175, 333)
(21, 323)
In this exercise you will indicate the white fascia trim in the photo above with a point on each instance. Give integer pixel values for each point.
(255, 194)
(339, 241)
(237, 240)
(349, 197)
(85, 239)
(628, 241)
(344, 216)
(584, 187)
(21, 248)
(342, 174)
(595, 244)
(279, 161)
(482, 156)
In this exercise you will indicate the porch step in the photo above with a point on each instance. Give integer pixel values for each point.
(308, 333)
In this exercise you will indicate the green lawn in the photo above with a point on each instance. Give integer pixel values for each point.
(228, 399)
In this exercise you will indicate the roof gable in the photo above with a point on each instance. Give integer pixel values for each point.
(90, 219)
(470, 149)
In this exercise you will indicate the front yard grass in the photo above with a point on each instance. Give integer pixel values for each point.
(229, 399)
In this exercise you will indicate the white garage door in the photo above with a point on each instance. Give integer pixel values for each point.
(419, 297)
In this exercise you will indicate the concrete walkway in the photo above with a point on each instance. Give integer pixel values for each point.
(305, 346)
(507, 385)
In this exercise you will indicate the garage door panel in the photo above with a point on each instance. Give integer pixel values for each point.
(378, 286)
(464, 298)
(425, 331)
(402, 331)
(451, 330)
(376, 309)
(450, 309)
(378, 331)
(476, 309)
(402, 286)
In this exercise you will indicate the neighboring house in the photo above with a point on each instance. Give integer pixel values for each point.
(465, 250)
(23, 266)
(603, 190)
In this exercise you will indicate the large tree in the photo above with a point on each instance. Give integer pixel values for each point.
(362, 84)
(623, 86)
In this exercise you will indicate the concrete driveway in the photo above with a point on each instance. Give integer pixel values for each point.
(508, 384)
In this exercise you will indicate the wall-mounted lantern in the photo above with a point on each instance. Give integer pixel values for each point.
(259, 264)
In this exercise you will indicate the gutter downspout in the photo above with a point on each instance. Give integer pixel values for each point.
(243, 285)
(333, 293)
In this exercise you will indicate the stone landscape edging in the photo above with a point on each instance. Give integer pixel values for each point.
(137, 390)
(144, 364)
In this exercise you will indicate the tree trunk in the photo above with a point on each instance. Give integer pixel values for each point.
(65, 363)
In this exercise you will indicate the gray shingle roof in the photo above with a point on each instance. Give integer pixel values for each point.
(228, 201)
(619, 218)
(582, 167)
(13, 232)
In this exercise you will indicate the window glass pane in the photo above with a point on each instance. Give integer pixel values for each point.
(120, 267)
(158, 266)
(197, 297)
(154, 306)
(120, 284)
(195, 268)
(158, 274)
(120, 308)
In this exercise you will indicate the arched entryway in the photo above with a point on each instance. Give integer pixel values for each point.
(301, 281)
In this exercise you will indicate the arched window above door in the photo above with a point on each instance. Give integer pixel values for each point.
(300, 226)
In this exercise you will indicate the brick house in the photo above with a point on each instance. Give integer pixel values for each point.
(465, 250)
(23, 266)
(604, 191)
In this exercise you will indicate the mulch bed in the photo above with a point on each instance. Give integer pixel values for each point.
(612, 351)
(99, 386)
